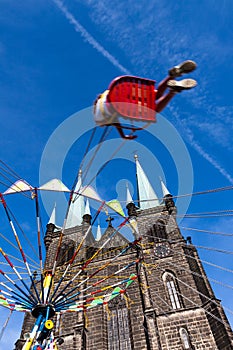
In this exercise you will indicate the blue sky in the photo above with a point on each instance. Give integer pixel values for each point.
(55, 57)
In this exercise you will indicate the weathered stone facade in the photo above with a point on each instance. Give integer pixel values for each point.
(170, 307)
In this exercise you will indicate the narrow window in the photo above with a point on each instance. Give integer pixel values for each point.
(185, 338)
(118, 327)
(65, 254)
(172, 288)
(160, 229)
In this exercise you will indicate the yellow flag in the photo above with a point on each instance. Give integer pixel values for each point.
(134, 226)
(115, 205)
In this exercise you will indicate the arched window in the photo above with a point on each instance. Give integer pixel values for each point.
(118, 326)
(172, 289)
(184, 336)
(66, 253)
(158, 232)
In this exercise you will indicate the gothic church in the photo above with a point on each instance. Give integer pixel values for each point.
(171, 306)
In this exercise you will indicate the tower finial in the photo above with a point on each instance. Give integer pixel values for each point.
(87, 213)
(87, 208)
(130, 206)
(165, 191)
(168, 199)
(109, 220)
(98, 233)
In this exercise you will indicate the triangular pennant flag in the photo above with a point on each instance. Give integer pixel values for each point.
(116, 291)
(134, 226)
(132, 278)
(115, 205)
(88, 191)
(54, 185)
(95, 302)
(19, 186)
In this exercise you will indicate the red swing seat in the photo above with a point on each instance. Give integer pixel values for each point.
(133, 98)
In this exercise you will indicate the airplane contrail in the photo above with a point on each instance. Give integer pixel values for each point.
(94, 43)
(210, 159)
(88, 37)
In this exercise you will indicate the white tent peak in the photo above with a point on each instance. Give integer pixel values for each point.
(54, 185)
(19, 186)
(88, 191)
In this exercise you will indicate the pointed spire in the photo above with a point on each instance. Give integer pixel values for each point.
(87, 208)
(109, 221)
(52, 219)
(76, 211)
(98, 233)
(168, 199)
(50, 227)
(87, 213)
(147, 196)
(130, 206)
(129, 198)
(164, 189)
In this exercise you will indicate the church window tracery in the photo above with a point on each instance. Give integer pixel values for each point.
(160, 230)
(157, 232)
(118, 326)
(172, 289)
(185, 338)
(66, 253)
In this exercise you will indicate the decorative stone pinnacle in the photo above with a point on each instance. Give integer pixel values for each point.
(109, 220)
(87, 218)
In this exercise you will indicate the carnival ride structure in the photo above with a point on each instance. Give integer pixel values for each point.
(127, 97)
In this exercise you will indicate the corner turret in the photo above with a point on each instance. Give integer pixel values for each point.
(130, 206)
(168, 200)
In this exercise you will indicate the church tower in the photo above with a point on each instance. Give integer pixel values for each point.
(171, 305)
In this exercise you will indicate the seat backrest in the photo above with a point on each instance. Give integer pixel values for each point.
(133, 98)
